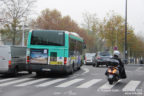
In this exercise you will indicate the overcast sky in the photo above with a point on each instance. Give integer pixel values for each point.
(75, 8)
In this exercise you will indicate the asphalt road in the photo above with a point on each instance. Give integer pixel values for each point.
(89, 81)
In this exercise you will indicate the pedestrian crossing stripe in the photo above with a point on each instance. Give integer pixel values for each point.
(14, 82)
(49, 83)
(107, 86)
(131, 86)
(64, 83)
(31, 82)
(8, 79)
(89, 83)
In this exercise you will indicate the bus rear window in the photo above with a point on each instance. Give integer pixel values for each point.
(54, 38)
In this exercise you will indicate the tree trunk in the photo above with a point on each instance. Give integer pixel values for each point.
(14, 36)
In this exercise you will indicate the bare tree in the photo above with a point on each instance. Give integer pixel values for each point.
(92, 24)
(12, 13)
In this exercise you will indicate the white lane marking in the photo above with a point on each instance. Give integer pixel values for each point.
(139, 68)
(86, 70)
(49, 83)
(70, 93)
(107, 86)
(57, 93)
(3, 80)
(66, 84)
(15, 81)
(131, 86)
(89, 83)
(128, 71)
(31, 82)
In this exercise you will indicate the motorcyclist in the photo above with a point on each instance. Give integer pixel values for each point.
(116, 55)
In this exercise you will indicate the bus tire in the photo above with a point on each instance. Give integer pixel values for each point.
(29, 72)
(97, 64)
(38, 74)
(15, 71)
(79, 68)
(72, 69)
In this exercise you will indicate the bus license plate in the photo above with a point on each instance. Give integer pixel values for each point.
(45, 69)
(110, 76)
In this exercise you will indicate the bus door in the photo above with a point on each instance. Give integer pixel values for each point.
(56, 57)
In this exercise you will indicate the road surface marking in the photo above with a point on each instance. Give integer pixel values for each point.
(139, 68)
(89, 83)
(86, 70)
(15, 81)
(66, 84)
(57, 93)
(31, 82)
(128, 71)
(131, 86)
(49, 83)
(3, 80)
(107, 86)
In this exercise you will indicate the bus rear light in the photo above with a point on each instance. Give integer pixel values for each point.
(28, 59)
(65, 60)
(85, 58)
(98, 57)
(9, 63)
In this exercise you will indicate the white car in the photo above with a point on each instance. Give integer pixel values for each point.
(89, 58)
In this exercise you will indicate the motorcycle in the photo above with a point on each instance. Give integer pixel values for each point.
(112, 72)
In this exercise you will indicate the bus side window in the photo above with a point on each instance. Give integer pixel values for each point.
(79, 46)
(71, 46)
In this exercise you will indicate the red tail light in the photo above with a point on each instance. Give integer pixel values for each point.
(112, 71)
(98, 58)
(85, 58)
(28, 59)
(65, 60)
(9, 63)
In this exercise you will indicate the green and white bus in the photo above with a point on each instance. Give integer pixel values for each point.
(54, 51)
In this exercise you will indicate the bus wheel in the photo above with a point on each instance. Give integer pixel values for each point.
(79, 68)
(29, 72)
(72, 69)
(97, 64)
(38, 73)
(15, 71)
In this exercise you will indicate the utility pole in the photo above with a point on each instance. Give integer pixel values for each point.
(23, 35)
(23, 30)
(1, 43)
(126, 52)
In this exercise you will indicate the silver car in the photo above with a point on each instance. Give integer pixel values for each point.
(102, 58)
(89, 58)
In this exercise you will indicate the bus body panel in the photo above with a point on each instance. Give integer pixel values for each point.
(56, 57)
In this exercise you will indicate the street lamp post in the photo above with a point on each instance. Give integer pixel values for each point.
(116, 28)
(1, 43)
(23, 38)
(23, 35)
(126, 53)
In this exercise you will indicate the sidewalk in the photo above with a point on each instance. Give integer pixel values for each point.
(135, 64)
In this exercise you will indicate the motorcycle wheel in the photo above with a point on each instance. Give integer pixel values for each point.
(110, 82)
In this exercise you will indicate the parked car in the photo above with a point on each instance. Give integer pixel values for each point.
(90, 58)
(12, 59)
(141, 61)
(102, 58)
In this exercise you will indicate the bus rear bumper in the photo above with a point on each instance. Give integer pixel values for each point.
(48, 68)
